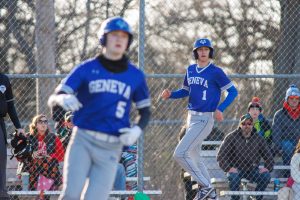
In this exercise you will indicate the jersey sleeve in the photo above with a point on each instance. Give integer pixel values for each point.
(141, 95)
(222, 80)
(185, 81)
(72, 82)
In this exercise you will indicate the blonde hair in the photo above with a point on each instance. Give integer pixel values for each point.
(297, 150)
(32, 126)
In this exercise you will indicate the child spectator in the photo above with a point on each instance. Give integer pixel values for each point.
(66, 132)
(262, 126)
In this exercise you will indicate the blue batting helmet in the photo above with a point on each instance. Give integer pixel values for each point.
(114, 24)
(203, 42)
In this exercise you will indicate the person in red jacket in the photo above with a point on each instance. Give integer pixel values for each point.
(48, 151)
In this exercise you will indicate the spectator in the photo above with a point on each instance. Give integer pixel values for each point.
(58, 115)
(286, 126)
(295, 172)
(129, 160)
(262, 126)
(48, 151)
(240, 154)
(6, 107)
(65, 133)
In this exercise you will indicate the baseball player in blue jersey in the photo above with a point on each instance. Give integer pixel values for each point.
(203, 84)
(100, 91)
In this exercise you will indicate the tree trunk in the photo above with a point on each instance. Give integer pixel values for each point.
(45, 57)
(286, 56)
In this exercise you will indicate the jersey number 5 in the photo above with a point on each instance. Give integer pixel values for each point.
(120, 109)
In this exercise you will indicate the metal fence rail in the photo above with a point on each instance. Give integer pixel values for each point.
(256, 42)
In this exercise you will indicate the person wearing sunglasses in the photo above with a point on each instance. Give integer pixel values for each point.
(286, 127)
(48, 151)
(239, 156)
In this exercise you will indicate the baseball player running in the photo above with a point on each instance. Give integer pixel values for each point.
(100, 91)
(203, 83)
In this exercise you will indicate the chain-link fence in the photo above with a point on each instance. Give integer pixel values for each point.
(255, 42)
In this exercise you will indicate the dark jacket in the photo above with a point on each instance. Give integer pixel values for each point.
(7, 104)
(284, 127)
(244, 153)
(49, 140)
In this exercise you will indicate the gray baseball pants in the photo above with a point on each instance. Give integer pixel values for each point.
(187, 152)
(90, 167)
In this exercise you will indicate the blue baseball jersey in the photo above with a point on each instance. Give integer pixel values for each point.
(205, 86)
(106, 96)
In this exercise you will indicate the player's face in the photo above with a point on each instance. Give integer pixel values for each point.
(254, 112)
(203, 54)
(42, 125)
(116, 43)
(293, 101)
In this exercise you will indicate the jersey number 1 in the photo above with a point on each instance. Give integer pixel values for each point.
(204, 95)
(120, 109)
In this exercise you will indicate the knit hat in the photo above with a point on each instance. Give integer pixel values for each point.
(244, 118)
(292, 91)
(255, 103)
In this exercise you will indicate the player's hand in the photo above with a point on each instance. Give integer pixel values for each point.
(233, 170)
(130, 135)
(218, 115)
(67, 101)
(165, 94)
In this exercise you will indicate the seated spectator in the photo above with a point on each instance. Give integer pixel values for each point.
(286, 126)
(295, 172)
(66, 131)
(129, 160)
(48, 151)
(240, 154)
(262, 126)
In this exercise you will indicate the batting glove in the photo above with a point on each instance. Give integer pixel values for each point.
(67, 101)
(130, 135)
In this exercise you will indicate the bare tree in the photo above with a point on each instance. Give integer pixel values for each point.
(287, 57)
(45, 57)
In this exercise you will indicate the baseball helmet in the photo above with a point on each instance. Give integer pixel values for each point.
(21, 148)
(114, 24)
(203, 42)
